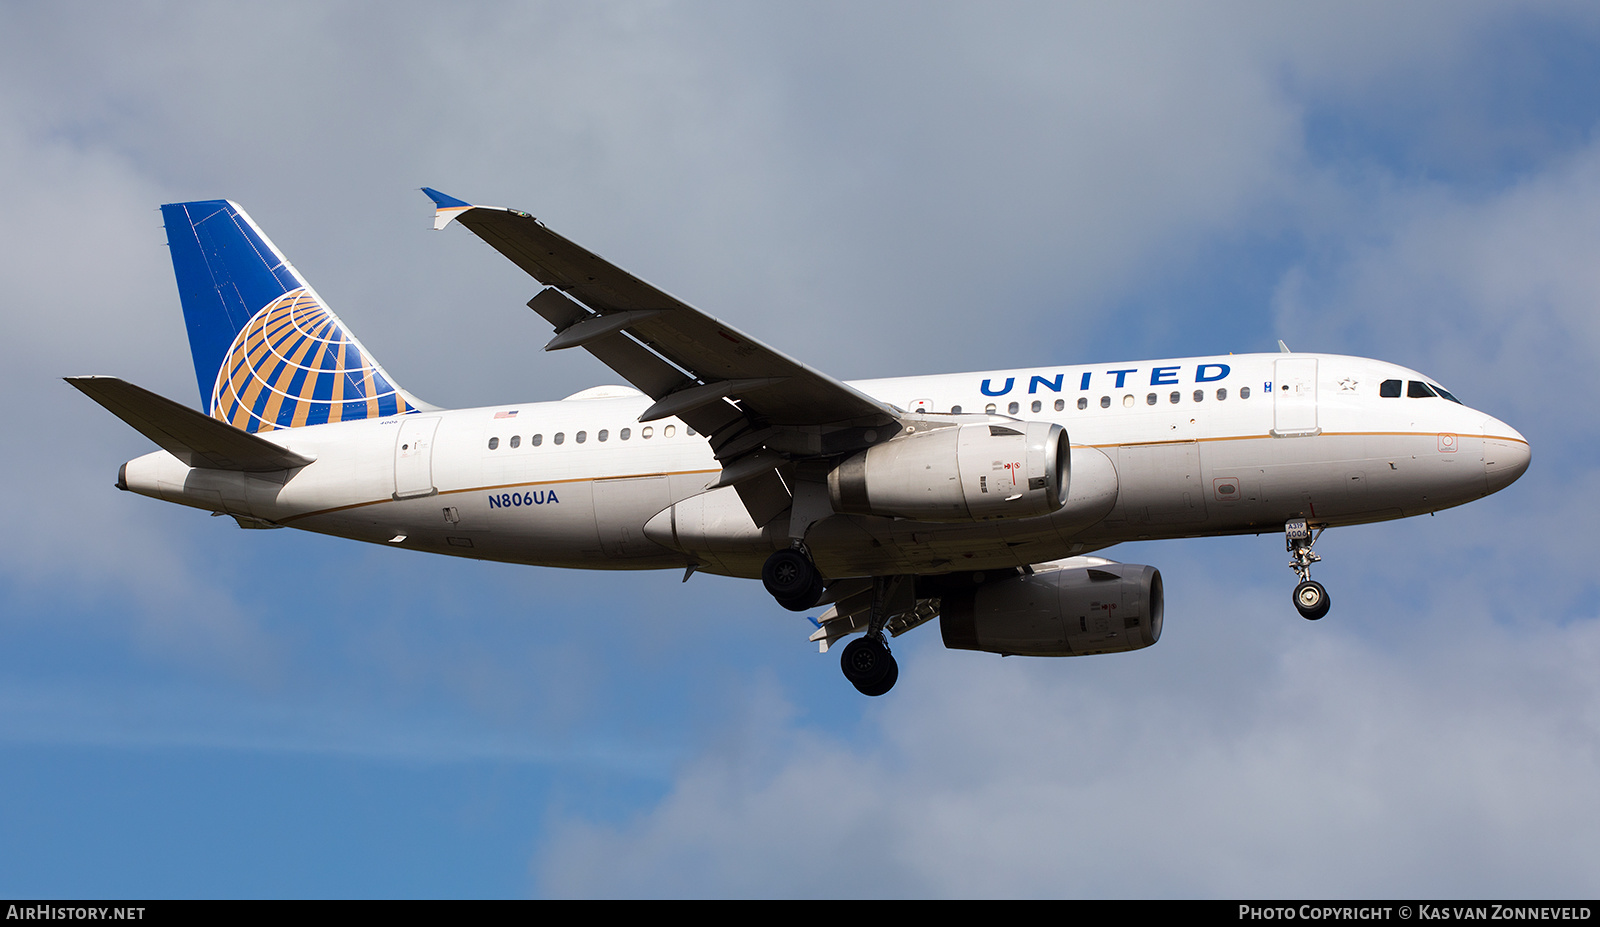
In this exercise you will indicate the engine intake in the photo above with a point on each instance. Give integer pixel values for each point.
(1105, 608)
(970, 472)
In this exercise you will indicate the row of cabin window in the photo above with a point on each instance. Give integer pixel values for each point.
(1128, 401)
(1014, 408)
(560, 437)
(1415, 389)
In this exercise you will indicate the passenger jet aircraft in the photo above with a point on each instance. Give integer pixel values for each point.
(976, 498)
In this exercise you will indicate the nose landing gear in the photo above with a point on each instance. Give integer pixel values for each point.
(1310, 599)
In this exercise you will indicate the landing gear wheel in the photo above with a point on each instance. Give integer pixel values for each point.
(1311, 600)
(885, 684)
(806, 599)
(792, 579)
(869, 666)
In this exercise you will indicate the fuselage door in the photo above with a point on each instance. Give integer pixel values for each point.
(413, 457)
(1294, 396)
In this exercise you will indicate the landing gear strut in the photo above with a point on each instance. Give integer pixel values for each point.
(866, 661)
(1310, 599)
(792, 578)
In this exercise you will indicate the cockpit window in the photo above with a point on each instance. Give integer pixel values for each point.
(1446, 394)
(1389, 389)
(1416, 389)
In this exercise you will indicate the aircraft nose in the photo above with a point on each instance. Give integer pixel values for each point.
(1505, 454)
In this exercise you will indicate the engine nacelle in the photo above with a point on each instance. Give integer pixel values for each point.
(968, 472)
(1105, 608)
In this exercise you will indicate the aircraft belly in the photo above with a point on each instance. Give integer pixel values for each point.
(862, 545)
(1338, 478)
(1423, 473)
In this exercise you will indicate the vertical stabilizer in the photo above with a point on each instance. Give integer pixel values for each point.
(268, 352)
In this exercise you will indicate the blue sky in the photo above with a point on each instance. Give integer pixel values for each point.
(187, 709)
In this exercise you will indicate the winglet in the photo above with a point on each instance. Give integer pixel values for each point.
(448, 207)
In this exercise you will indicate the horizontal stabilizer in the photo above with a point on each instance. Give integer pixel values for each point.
(191, 436)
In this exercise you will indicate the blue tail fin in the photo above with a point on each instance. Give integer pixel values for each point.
(268, 352)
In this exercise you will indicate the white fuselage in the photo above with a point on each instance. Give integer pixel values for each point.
(1168, 448)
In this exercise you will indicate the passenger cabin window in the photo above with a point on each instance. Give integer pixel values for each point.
(989, 408)
(668, 431)
(1174, 397)
(604, 434)
(1199, 395)
(1060, 404)
(646, 432)
(1105, 402)
(516, 440)
(494, 443)
(1244, 392)
(1389, 389)
(1127, 401)
(1037, 405)
(955, 410)
(1416, 389)
(1013, 409)
(625, 434)
(1150, 400)
(561, 437)
(537, 440)
(1083, 402)
(1222, 394)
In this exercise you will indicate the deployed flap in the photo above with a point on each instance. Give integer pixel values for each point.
(852, 613)
(191, 436)
(769, 386)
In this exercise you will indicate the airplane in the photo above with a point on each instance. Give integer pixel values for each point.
(979, 499)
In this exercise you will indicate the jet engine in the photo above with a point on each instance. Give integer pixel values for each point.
(960, 473)
(1072, 611)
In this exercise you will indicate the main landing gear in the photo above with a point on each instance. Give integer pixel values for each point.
(866, 661)
(792, 578)
(869, 665)
(1310, 599)
(795, 582)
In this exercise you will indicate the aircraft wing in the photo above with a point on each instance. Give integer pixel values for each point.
(759, 408)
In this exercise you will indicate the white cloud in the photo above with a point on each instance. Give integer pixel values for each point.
(1494, 291)
(1268, 758)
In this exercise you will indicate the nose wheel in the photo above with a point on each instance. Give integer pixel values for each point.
(1310, 599)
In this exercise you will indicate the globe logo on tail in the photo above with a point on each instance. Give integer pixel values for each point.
(294, 364)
